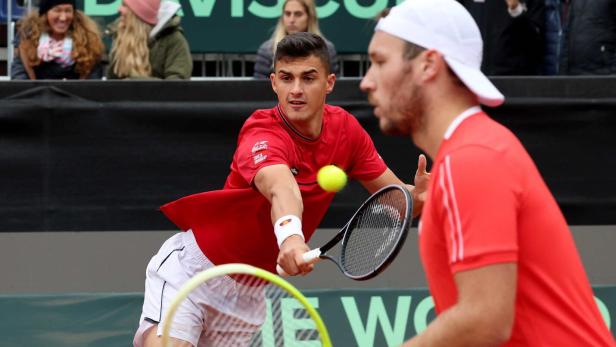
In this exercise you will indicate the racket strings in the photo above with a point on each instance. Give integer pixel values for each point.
(374, 233)
(280, 319)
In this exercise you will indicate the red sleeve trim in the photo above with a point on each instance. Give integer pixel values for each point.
(482, 260)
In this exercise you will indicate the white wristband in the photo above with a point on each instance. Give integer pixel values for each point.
(286, 226)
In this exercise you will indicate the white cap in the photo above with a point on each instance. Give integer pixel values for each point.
(446, 26)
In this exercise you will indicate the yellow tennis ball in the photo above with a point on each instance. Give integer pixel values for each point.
(331, 178)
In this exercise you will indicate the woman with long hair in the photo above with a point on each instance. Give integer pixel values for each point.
(57, 42)
(149, 44)
(297, 16)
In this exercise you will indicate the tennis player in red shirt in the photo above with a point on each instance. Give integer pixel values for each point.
(499, 258)
(270, 204)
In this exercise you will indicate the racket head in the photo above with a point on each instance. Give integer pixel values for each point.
(376, 233)
(287, 308)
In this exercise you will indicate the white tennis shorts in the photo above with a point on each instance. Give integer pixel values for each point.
(198, 319)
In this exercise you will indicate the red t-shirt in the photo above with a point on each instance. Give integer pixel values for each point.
(234, 224)
(488, 204)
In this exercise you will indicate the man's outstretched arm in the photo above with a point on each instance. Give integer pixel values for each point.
(277, 184)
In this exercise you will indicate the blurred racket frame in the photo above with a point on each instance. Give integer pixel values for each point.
(242, 269)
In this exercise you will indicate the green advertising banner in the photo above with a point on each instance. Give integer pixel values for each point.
(240, 26)
(367, 318)
(354, 317)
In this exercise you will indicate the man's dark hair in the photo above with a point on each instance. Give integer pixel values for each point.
(411, 50)
(303, 45)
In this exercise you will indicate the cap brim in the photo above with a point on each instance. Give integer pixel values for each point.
(477, 82)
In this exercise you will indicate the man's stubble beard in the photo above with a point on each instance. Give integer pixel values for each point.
(409, 104)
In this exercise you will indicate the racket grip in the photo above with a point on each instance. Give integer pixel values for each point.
(309, 257)
(312, 256)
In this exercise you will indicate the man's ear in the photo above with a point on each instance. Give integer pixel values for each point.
(331, 80)
(432, 62)
(273, 81)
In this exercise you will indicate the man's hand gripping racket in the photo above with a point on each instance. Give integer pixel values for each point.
(372, 238)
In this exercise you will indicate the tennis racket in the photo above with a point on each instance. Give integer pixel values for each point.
(372, 238)
(279, 315)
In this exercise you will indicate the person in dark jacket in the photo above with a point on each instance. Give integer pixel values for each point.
(589, 38)
(513, 35)
(297, 16)
(148, 42)
(553, 36)
(57, 42)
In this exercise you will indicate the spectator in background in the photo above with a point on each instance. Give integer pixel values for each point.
(589, 39)
(148, 42)
(297, 16)
(553, 35)
(57, 42)
(512, 32)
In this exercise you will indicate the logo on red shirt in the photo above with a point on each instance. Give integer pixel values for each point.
(259, 152)
(259, 146)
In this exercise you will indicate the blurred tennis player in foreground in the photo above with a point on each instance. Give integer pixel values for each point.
(500, 260)
(270, 205)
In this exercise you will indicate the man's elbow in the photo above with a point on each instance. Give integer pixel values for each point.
(502, 334)
(496, 330)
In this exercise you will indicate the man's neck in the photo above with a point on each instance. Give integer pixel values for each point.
(438, 118)
(309, 128)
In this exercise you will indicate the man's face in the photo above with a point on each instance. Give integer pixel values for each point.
(301, 85)
(392, 86)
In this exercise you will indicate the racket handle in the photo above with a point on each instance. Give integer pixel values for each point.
(309, 257)
(312, 256)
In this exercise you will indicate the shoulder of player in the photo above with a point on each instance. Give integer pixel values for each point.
(263, 123)
(338, 113)
(481, 132)
(473, 150)
(265, 118)
(484, 159)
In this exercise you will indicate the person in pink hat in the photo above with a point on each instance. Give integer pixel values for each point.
(500, 261)
(148, 42)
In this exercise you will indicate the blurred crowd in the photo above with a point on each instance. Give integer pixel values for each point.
(546, 37)
(60, 42)
(521, 37)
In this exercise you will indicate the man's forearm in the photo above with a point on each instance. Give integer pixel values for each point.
(457, 327)
(443, 331)
(286, 201)
(278, 186)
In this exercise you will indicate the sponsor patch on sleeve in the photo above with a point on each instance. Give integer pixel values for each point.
(259, 152)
